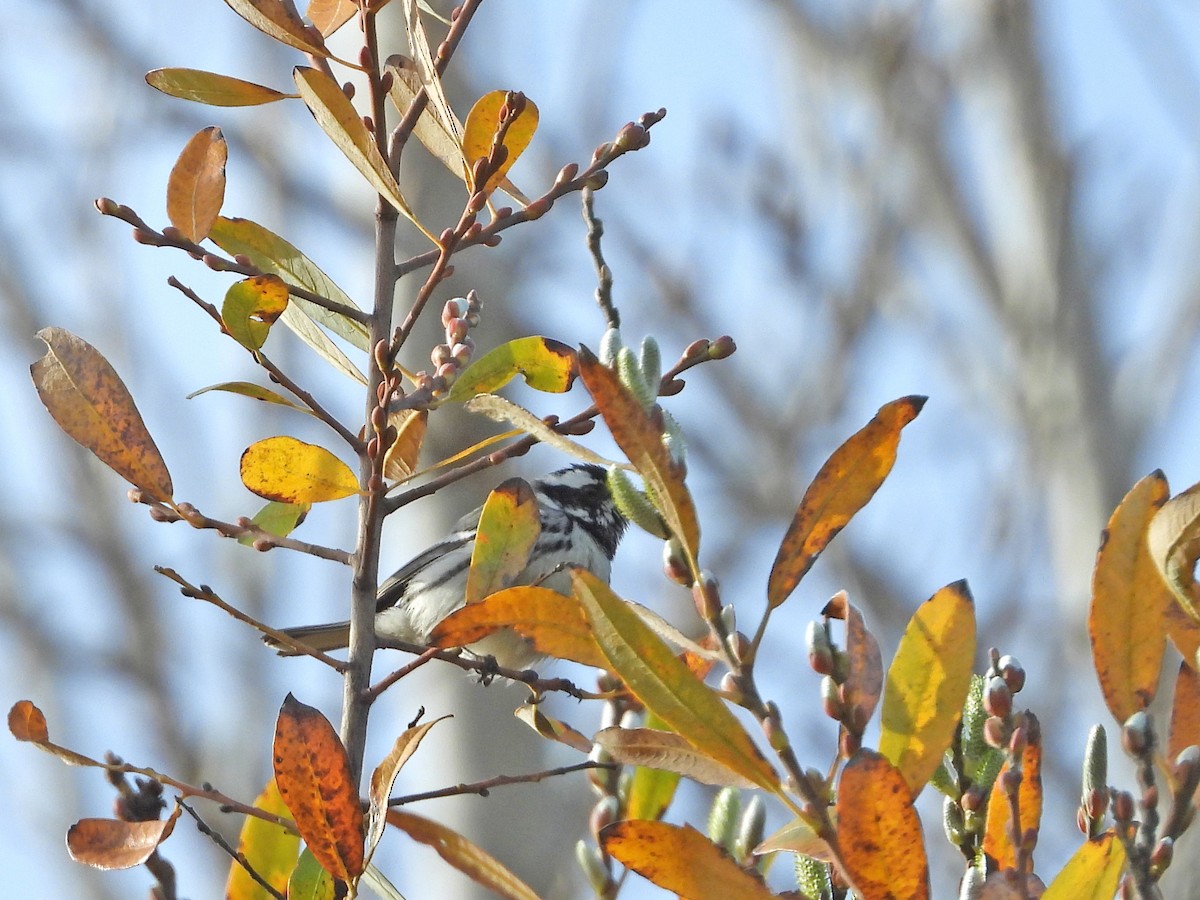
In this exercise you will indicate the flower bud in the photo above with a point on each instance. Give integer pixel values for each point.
(952, 822)
(610, 346)
(1162, 855)
(674, 564)
(997, 698)
(820, 650)
(594, 866)
(604, 813)
(831, 699)
(723, 817)
(566, 173)
(1011, 671)
(1137, 734)
(750, 829)
(996, 732)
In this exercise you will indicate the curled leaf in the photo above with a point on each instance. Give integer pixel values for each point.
(400, 461)
(385, 775)
(1174, 541)
(254, 391)
(115, 844)
(658, 749)
(552, 729)
(279, 19)
(28, 723)
(91, 404)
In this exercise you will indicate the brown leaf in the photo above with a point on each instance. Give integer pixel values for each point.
(313, 774)
(384, 777)
(880, 845)
(196, 186)
(680, 860)
(552, 729)
(1174, 541)
(279, 19)
(114, 844)
(400, 461)
(91, 404)
(1185, 711)
(864, 679)
(27, 723)
(657, 749)
(1130, 602)
(997, 837)
(849, 478)
(209, 87)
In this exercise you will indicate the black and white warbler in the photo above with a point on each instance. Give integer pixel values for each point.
(581, 527)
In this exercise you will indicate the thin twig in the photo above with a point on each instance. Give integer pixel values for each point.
(482, 788)
(239, 858)
(403, 672)
(604, 278)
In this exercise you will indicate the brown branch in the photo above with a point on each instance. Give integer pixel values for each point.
(236, 856)
(483, 788)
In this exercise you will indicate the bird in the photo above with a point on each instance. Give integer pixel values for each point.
(581, 527)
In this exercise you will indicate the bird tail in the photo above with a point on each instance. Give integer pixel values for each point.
(332, 636)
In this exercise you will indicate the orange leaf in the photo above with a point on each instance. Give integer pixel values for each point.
(475, 863)
(554, 624)
(288, 470)
(849, 478)
(509, 526)
(114, 844)
(482, 128)
(330, 15)
(279, 19)
(1126, 618)
(997, 837)
(681, 860)
(28, 723)
(1174, 541)
(251, 307)
(400, 461)
(1185, 711)
(1093, 873)
(210, 88)
(880, 845)
(640, 437)
(313, 774)
(91, 404)
(864, 679)
(270, 849)
(927, 684)
(196, 186)
(1185, 634)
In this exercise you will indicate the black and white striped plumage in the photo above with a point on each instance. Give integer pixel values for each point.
(581, 527)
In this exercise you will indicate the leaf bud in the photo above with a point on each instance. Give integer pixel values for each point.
(1122, 806)
(1012, 672)
(997, 698)
(1186, 772)
(1017, 741)
(604, 813)
(773, 731)
(750, 829)
(831, 699)
(697, 350)
(728, 619)
(493, 240)
(604, 151)
(675, 566)
(262, 545)
(723, 817)
(456, 330)
(538, 208)
(1163, 853)
(996, 732)
(594, 866)
(722, 348)
(597, 179)
(732, 685)
(820, 650)
(972, 799)
(448, 373)
(455, 308)
(631, 137)
(706, 595)
(1137, 734)
(107, 207)
(952, 822)
(652, 118)
(635, 505)
(566, 173)
(440, 355)
(461, 353)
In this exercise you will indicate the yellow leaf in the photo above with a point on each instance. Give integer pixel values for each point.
(997, 837)
(509, 526)
(330, 15)
(927, 684)
(384, 777)
(210, 88)
(555, 625)
(483, 127)
(313, 774)
(278, 18)
(1185, 711)
(548, 365)
(340, 120)
(91, 404)
(849, 478)
(291, 471)
(1174, 540)
(880, 845)
(196, 186)
(472, 861)
(253, 391)
(400, 461)
(1092, 873)
(680, 860)
(1126, 618)
(657, 749)
(115, 844)
(640, 438)
(251, 307)
(666, 686)
(271, 850)
(552, 729)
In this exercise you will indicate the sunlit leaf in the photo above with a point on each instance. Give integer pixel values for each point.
(640, 436)
(666, 686)
(927, 684)
(196, 186)
(290, 471)
(330, 15)
(879, 838)
(340, 120)
(116, 844)
(657, 749)
(313, 774)
(254, 391)
(864, 676)
(27, 723)
(849, 478)
(547, 364)
(422, 54)
(797, 836)
(271, 850)
(400, 461)
(997, 837)
(88, 400)
(251, 307)
(481, 128)
(555, 625)
(279, 519)
(499, 409)
(509, 526)
(272, 254)
(279, 19)
(384, 777)
(681, 860)
(310, 881)
(1174, 541)
(1092, 873)
(210, 88)
(1126, 618)
(472, 861)
(1184, 632)
(552, 729)
(1185, 711)
(650, 790)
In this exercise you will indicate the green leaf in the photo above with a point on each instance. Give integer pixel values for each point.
(280, 519)
(666, 686)
(210, 88)
(548, 365)
(251, 306)
(509, 526)
(309, 881)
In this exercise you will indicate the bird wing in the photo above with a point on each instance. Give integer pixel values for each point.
(391, 592)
